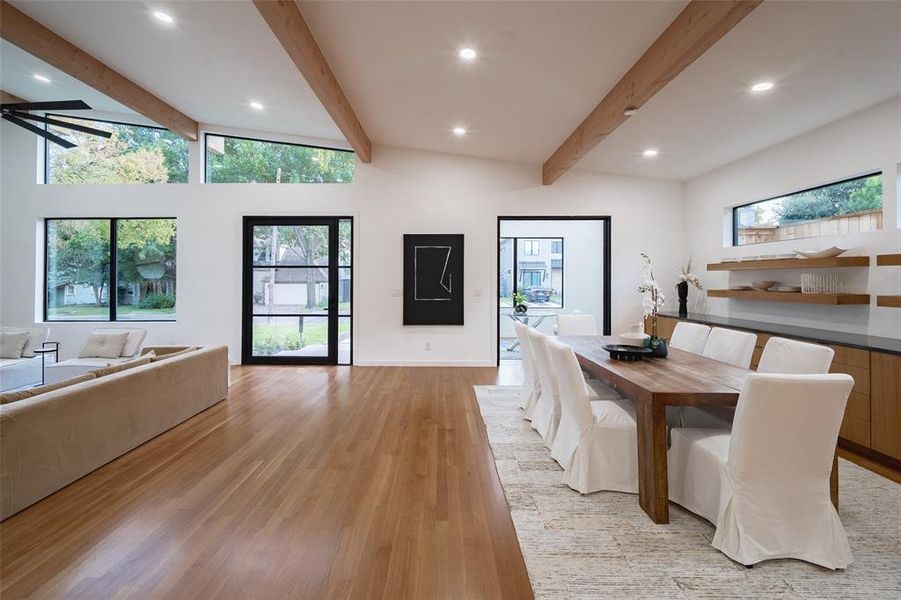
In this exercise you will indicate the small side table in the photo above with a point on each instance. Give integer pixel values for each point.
(47, 348)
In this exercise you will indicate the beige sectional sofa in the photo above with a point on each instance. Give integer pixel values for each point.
(51, 439)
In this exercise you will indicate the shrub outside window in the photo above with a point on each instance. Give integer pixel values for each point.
(242, 160)
(849, 206)
(134, 154)
(84, 255)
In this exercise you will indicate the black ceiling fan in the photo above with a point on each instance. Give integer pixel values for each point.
(17, 112)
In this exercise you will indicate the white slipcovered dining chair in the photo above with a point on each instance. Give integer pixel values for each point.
(576, 324)
(690, 337)
(531, 387)
(766, 485)
(596, 442)
(546, 414)
(730, 346)
(791, 356)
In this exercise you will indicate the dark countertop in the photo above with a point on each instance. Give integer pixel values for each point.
(852, 340)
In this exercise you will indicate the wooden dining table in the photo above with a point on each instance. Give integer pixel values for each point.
(681, 379)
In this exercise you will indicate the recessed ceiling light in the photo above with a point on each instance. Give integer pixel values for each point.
(468, 54)
(650, 153)
(459, 131)
(762, 86)
(256, 105)
(41, 78)
(164, 17)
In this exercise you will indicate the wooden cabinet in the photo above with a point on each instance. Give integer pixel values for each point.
(872, 419)
(886, 403)
(665, 327)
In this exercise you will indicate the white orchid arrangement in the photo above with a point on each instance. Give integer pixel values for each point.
(686, 276)
(654, 298)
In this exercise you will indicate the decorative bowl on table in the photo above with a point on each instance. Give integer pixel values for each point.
(623, 352)
(827, 253)
(762, 286)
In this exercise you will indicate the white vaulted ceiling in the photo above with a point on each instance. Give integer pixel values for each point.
(542, 67)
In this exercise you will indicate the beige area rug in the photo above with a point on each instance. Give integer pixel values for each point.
(604, 546)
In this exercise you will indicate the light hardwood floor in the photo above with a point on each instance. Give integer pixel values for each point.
(312, 482)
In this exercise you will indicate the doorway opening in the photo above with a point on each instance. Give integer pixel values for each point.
(298, 288)
(550, 265)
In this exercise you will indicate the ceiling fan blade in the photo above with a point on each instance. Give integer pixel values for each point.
(34, 129)
(54, 105)
(64, 124)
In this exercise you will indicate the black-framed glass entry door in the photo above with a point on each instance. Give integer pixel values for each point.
(297, 290)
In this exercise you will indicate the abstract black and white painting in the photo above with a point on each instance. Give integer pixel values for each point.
(433, 279)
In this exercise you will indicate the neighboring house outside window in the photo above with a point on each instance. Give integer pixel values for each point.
(533, 268)
(81, 260)
(531, 279)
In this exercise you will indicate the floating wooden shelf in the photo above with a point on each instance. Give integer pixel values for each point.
(792, 263)
(888, 301)
(888, 260)
(795, 297)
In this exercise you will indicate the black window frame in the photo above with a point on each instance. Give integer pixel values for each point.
(606, 265)
(515, 243)
(113, 271)
(335, 266)
(735, 209)
(206, 149)
(80, 118)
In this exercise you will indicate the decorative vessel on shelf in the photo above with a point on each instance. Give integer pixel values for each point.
(827, 253)
(652, 302)
(686, 277)
(762, 286)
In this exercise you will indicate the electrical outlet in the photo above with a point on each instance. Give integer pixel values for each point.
(428, 345)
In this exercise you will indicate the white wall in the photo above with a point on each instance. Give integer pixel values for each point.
(583, 267)
(401, 191)
(865, 142)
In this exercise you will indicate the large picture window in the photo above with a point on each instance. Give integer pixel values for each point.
(243, 160)
(534, 268)
(849, 206)
(84, 255)
(134, 154)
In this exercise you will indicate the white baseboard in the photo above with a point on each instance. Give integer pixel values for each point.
(423, 363)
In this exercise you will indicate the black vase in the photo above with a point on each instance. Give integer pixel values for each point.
(658, 347)
(683, 298)
(520, 308)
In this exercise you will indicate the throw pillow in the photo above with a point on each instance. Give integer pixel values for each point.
(103, 345)
(7, 397)
(35, 339)
(174, 354)
(12, 344)
(138, 362)
(133, 343)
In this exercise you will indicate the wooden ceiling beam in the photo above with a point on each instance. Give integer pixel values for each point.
(7, 98)
(21, 30)
(288, 25)
(698, 27)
